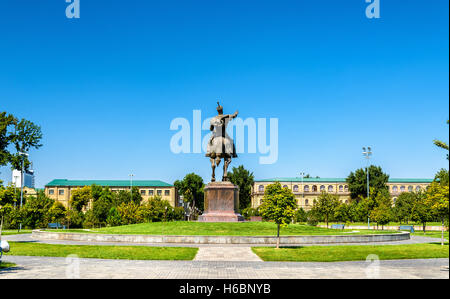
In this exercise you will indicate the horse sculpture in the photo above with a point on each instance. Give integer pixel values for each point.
(220, 145)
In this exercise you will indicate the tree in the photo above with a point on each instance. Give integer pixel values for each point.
(342, 213)
(74, 218)
(57, 213)
(27, 135)
(8, 195)
(381, 214)
(279, 205)
(325, 205)
(113, 218)
(442, 177)
(421, 209)
(100, 210)
(244, 179)
(7, 121)
(357, 181)
(80, 198)
(129, 213)
(191, 188)
(441, 144)
(403, 206)
(35, 210)
(437, 199)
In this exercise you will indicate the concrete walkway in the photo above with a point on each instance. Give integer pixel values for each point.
(59, 267)
(227, 253)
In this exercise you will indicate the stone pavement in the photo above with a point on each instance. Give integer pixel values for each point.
(60, 267)
(213, 262)
(227, 253)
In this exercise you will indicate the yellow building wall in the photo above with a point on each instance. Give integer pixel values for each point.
(305, 199)
(63, 194)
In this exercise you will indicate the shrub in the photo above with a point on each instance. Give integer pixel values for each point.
(300, 215)
(312, 218)
(249, 212)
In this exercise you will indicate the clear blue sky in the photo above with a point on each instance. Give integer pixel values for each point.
(105, 87)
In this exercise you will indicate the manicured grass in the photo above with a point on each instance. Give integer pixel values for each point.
(104, 252)
(352, 252)
(5, 265)
(8, 232)
(211, 229)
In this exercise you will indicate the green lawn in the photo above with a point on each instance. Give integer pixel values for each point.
(5, 265)
(351, 252)
(211, 229)
(104, 252)
(8, 232)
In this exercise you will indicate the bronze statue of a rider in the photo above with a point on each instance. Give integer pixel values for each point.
(220, 145)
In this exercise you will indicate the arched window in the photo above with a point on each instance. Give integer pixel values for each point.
(346, 201)
(322, 188)
(418, 189)
(261, 188)
(330, 188)
(410, 188)
(395, 189)
(306, 188)
(295, 188)
(314, 188)
(402, 189)
(341, 188)
(285, 186)
(346, 188)
(306, 202)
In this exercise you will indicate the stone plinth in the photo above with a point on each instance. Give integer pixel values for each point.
(221, 203)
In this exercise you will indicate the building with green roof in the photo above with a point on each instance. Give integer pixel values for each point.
(61, 189)
(308, 189)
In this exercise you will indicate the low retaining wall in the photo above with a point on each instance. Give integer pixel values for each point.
(286, 240)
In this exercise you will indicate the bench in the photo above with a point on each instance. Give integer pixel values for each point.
(407, 227)
(337, 226)
(56, 225)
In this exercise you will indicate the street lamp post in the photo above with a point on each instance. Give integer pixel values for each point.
(302, 174)
(131, 186)
(367, 153)
(22, 183)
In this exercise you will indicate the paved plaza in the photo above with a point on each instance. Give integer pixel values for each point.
(60, 267)
(214, 262)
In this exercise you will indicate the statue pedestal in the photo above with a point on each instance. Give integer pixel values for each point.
(221, 203)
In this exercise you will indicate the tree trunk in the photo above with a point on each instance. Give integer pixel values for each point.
(424, 224)
(278, 236)
(442, 233)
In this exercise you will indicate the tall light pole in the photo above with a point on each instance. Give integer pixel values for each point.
(131, 186)
(367, 153)
(22, 183)
(302, 174)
